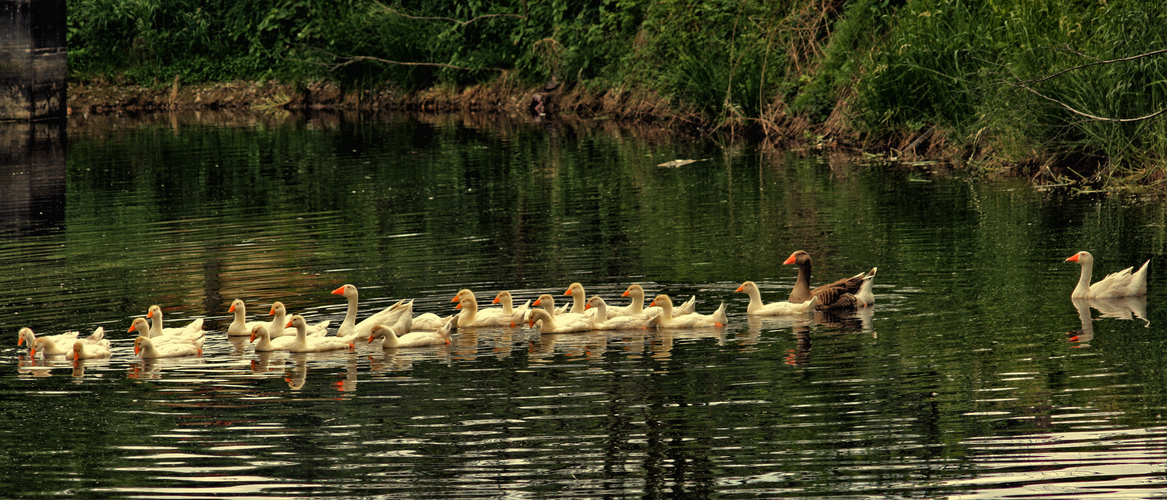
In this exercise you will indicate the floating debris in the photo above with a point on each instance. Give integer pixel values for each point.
(677, 163)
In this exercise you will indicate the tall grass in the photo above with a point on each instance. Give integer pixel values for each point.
(978, 69)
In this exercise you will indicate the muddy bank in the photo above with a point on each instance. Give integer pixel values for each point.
(96, 98)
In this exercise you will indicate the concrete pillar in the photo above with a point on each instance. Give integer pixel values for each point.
(33, 66)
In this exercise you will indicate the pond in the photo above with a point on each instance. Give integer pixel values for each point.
(973, 376)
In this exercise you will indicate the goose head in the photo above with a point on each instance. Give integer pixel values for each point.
(25, 335)
(141, 326)
(259, 332)
(799, 257)
(633, 291)
(546, 301)
(348, 291)
(537, 315)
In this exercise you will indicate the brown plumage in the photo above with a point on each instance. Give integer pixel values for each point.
(840, 294)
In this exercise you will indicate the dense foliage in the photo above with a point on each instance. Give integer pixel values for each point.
(970, 74)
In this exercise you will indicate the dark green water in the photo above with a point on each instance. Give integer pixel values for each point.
(964, 380)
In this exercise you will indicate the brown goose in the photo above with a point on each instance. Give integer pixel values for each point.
(847, 293)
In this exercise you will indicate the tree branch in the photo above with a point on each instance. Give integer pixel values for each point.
(347, 60)
(1025, 84)
(1088, 115)
(1095, 63)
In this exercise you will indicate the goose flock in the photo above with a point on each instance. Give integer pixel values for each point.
(397, 326)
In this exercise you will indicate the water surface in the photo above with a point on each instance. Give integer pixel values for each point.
(974, 376)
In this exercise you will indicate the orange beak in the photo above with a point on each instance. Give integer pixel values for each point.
(338, 291)
(131, 329)
(150, 313)
(455, 299)
(789, 260)
(20, 342)
(253, 337)
(652, 304)
(1074, 258)
(568, 292)
(289, 325)
(535, 303)
(625, 294)
(459, 306)
(137, 349)
(531, 324)
(272, 312)
(740, 288)
(32, 352)
(495, 301)
(232, 308)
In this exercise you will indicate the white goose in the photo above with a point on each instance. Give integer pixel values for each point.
(1121, 284)
(579, 301)
(427, 321)
(620, 322)
(691, 320)
(240, 327)
(424, 338)
(266, 344)
(540, 319)
(304, 343)
(156, 329)
(278, 324)
(148, 349)
(26, 335)
(86, 349)
(547, 302)
(471, 316)
(636, 307)
(407, 322)
(144, 329)
(758, 308)
(48, 346)
(349, 325)
(516, 314)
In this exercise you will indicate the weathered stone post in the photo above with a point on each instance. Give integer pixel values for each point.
(33, 65)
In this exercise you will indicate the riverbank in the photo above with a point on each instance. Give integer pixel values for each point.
(98, 98)
(629, 108)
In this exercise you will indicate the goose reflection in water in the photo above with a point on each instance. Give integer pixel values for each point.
(590, 345)
(297, 375)
(749, 340)
(268, 361)
(398, 360)
(858, 319)
(662, 343)
(80, 365)
(156, 368)
(30, 367)
(1125, 308)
